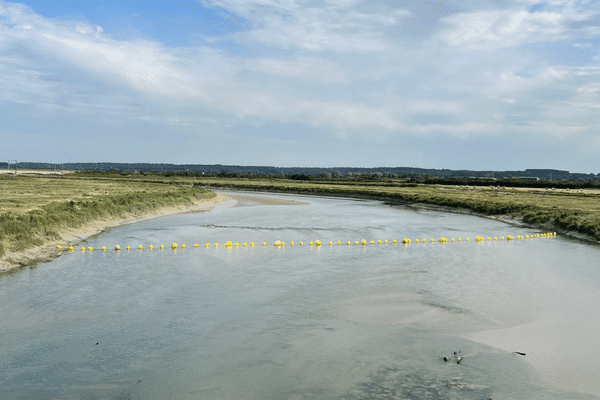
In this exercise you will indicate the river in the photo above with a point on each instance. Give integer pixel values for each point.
(306, 322)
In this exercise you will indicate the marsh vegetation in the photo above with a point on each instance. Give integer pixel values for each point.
(33, 209)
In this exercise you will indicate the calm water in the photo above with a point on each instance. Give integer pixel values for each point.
(299, 322)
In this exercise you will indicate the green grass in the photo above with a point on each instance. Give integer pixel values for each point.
(33, 209)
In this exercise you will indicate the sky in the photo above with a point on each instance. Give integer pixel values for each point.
(469, 84)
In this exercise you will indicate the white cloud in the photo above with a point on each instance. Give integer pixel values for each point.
(310, 68)
(498, 29)
(584, 45)
(333, 26)
(328, 66)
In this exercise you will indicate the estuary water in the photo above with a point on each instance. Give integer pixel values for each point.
(306, 322)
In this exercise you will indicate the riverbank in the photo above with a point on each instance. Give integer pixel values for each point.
(12, 261)
(576, 215)
(513, 219)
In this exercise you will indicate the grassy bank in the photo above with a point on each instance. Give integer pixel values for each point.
(576, 211)
(34, 209)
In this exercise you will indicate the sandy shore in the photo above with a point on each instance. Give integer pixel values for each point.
(244, 200)
(12, 261)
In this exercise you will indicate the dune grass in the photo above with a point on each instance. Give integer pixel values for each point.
(33, 209)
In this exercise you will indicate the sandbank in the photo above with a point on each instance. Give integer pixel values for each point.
(70, 236)
(244, 200)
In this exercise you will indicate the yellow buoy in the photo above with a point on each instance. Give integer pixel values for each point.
(127, 247)
(264, 244)
(117, 247)
(103, 248)
(495, 237)
(467, 239)
(453, 239)
(162, 246)
(140, 247)
(379, 241)
(417, 240)
(237, 244)
(356, 242)
(432, 240)
(339, 242)
(251, 244)
(331, 243)
(394, 241)
(206, 244)
(277, 243)
(460, 239)
(301, 243)
(386, 241)
(90, 248)
(245, 244)
(311, 243)
(58, 246)
(195, 244)
(292, 243)
(372, 242)
(318, 242)
(151, 247)
(83, 249)
(348, 243)
(182, 246)
(216, 244)
(174, 246)
(282, 243)
(501, 237)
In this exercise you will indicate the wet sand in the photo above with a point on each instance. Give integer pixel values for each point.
(74, 236)
(244, 200)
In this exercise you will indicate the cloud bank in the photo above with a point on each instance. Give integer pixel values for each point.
(354, 83)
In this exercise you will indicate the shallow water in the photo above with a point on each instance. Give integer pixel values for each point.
(304, 322)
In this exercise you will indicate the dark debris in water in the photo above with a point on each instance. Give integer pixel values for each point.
(392, 383)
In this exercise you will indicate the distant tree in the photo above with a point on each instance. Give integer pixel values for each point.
(300, 177)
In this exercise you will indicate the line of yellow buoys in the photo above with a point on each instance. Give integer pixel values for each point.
(317, 243)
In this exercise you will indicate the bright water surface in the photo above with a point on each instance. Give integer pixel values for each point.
(303, 322)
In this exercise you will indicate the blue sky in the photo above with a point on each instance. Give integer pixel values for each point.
(470, 84)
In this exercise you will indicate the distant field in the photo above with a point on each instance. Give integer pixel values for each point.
(34, 171)
(33, 208)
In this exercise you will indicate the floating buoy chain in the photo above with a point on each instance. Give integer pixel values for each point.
(317, 243)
